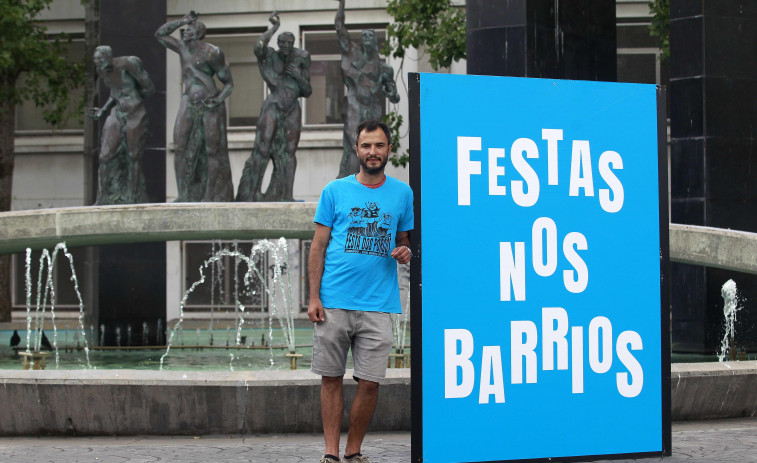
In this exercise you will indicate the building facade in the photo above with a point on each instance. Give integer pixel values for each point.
(52, 168)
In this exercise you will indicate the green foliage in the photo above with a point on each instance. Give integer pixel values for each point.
(394, 121)
(436, 25)
(660, 26)
(27, 50)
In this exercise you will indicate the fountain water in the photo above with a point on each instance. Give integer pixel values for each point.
(279, 293)
(45, 297)
(730, 309)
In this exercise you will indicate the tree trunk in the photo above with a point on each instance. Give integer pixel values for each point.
(7, 139)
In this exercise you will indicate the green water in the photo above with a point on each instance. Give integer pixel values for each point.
(183, 355)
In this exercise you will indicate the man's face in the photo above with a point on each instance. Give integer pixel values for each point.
(103, 61)
(190, 33)
(368, 37)
(286, 44)
(373, 151)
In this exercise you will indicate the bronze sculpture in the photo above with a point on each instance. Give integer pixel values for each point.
(124, 134)
(369, 82)
(203, 171)
(287, 74)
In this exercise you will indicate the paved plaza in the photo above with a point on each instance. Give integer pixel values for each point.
(733, 441)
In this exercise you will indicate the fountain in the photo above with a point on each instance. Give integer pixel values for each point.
(730, 309)
(34, 357)
(278, 292)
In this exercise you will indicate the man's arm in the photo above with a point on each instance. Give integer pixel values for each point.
(261, 47)
(218, 61)
(139, 73)
(163, 34)
(341, 29)
(390, 88)
(402, 252)
(315, 271)
(97, 113)
(301, 73)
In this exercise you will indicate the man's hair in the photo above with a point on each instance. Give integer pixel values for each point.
(104, 50)
(372, 125)
(201, 29)
(286, 34)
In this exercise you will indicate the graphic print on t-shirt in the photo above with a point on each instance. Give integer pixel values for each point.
(369, 231)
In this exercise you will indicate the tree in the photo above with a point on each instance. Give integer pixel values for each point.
(660, 26)
(48, 79)
(436, 25)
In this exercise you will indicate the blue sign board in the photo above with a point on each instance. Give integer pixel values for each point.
(540, 307)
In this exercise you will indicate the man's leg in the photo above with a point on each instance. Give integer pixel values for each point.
(371, 346)
(360, 414)
(332, 408)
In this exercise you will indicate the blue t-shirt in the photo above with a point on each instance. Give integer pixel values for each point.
(359, 273)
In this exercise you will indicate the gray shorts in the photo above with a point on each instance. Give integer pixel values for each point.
(369, 334)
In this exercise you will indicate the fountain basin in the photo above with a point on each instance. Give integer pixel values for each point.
(139, 223)
(137, 402)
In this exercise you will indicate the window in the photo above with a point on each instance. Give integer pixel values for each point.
(245, 101)
(224, 278)
(30, 117)
(64, 288)
(325, 104)
(638, 55)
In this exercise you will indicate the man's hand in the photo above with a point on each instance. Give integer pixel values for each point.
(274, 18)
(95, 113)
(190, 17)
(211, 103)
(316, 312)
(402, 254)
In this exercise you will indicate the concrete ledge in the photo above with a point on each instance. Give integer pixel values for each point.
(703, 391)
(713, 247)
(98, 225)
(135, 402)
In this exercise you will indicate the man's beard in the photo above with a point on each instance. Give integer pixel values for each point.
(373, 170)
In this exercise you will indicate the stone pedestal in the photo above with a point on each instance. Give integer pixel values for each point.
(713, 91)
(540, 38)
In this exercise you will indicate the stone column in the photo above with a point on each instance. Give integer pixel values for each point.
(573, 39)
(713, 92)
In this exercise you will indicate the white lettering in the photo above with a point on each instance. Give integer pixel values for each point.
(521, 198)
(491, 369)
(580, 169)
(466, 167)
(552, 136)
(542, 225)
(596, 324)
(632, 388)
(554, 337)
(608, 161)
(453, 361)
(496, 170)
(512, 271)
(522, 350)
(577, 357)
(578, 283)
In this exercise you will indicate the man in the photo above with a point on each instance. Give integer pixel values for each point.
(287, 74)
(362, 226)
(120, 177)
(368, 82)
(203, 171)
